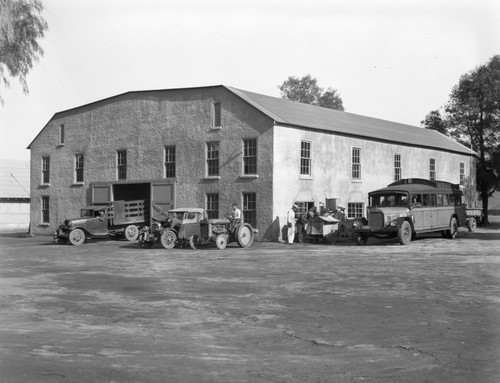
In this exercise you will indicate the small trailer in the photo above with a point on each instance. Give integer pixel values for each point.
(115, 218)
(474, 218)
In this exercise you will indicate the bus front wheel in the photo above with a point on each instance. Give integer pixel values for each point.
(405, 233)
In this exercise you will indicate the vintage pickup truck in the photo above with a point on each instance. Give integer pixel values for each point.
(117, 218)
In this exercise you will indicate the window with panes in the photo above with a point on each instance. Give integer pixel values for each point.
(250, 208)
(212, 159)
(432, 169)
(45, 170)
(121, 164)
(397, 167)
(356, 164)
(79, 168)
(45, 209)
(462, 173)
(250, 156)
(355, 209)
(305, 158)
(170, 161)
(212, 207)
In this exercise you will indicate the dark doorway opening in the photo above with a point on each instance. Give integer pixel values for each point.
(131, 192)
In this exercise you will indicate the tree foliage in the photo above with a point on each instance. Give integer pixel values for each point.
(307, 91)
(21, 26)
(472, 117)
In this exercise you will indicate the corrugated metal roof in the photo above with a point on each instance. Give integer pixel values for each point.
(14, 179)
(314, 117)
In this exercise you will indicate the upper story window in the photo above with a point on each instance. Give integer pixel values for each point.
(212, 159)
(45, 170)
(213, 205)
(250, 156)
(217, 116)
(356, 164)
(397, 167)
(121, 164)
(169, 161)
(79, 168)
(462, 173)
(432, 169)
(305, 158)
(61, 134)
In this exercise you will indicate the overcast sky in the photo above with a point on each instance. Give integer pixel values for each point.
(390, 59)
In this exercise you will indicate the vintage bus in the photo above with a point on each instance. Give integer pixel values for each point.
(412, 206)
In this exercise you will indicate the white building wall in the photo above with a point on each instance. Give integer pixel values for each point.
(331, 168)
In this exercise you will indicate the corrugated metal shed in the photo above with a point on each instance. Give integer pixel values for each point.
(309, 116)
(14, 179)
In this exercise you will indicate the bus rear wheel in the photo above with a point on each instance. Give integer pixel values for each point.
(451, 233)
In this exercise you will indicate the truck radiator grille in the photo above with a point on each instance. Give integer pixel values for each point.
(376, 220)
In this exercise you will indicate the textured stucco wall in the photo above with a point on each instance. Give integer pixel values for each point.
(143, 124)
(331, 168)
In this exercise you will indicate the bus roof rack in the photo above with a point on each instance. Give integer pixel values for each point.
(423, 181)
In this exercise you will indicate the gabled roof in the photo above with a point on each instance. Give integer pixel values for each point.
(291, 113)
(297, 114)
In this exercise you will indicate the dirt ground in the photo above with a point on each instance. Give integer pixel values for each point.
(108, 311)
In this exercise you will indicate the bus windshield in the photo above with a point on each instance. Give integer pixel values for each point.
(389, 199)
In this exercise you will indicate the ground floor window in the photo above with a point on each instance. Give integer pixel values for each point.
(212, 205)
(304, 206)
(355, 209)
(45, 210)
(250, 208)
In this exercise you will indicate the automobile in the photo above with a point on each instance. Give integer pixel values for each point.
(117, 218)
(185, 227)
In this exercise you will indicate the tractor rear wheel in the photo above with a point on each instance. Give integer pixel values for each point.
(244, 235)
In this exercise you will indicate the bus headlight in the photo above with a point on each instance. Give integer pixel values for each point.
(356, 225)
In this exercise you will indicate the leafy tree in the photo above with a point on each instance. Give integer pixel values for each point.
(472, 116)
(435, 121)
(21, 25)
(307, 91)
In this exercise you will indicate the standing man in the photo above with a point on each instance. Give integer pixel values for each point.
(290, 221)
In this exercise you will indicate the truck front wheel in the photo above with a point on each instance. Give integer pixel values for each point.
(76, 237)
(405, 233)
(131, 232)
(168, 239)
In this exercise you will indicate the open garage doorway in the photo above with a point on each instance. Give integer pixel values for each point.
(131, 192)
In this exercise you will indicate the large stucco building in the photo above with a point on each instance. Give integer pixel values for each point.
(212, 146)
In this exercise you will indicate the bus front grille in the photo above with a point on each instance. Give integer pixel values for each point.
(376, 220)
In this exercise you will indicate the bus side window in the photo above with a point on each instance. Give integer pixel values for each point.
(432, 201)
(445, 200)
(426, 200)
(440, 200)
